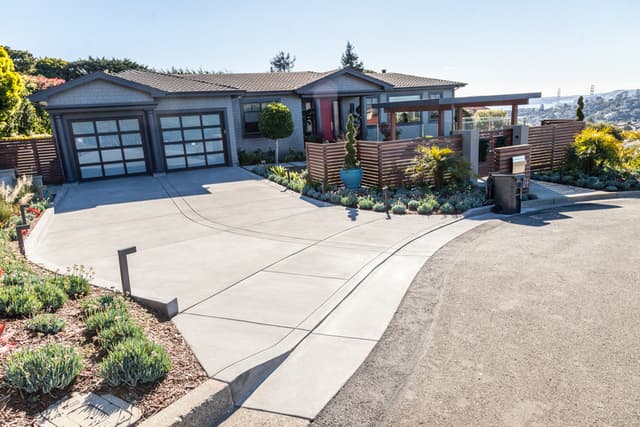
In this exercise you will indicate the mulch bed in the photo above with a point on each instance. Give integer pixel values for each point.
(186, 373)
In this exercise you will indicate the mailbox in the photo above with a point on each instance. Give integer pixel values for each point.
(518, 164)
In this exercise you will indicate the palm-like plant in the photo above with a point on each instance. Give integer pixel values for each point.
(438, 167)
(597, 148)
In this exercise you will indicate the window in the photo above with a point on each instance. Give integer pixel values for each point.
(433, 115)
(250, 115)
(408, 117)
(193, 140)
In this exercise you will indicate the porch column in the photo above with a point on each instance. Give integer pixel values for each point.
(459, 118)
(514, 114)
(363, 118)
(157, 154)
(392, 120)
(440, 122)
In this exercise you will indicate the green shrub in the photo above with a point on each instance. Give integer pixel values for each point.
(447, 208)
(18, 301)
(102, 303)
(19, 277)
(5, 211)
(425, 208)
(75, 284)
(50, 295)
(413, 205)
(439, 167)
(105, 319)
(110, 337)
(349, 200)
(52, 366)
(366, 203)
(45, 323)
(399, 209)
(379, 207)
(135, 361)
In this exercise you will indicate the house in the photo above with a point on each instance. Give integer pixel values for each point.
(142, 122)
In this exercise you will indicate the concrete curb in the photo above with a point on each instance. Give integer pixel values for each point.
(541, 204)
(206, 405)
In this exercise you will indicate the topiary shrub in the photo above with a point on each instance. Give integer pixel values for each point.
(119, 331)
(18, 301)
(52, 366)
(379, 207)
(413, 205)
(135, 361)
(100, 303)
(45, 323)
(105, 319)
(399, 209)
(50, 295)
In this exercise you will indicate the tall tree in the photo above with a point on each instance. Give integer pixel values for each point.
(350, 58)
(282, 62)
(23, 60)
(580, 109)
(51, 67)
(11, 91)
(81, 67)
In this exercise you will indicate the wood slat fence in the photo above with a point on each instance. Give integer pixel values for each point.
(35, 156)
(492, 140)
(549, 143)
(383, 162)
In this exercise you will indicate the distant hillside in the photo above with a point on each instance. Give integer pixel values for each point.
(621, 107)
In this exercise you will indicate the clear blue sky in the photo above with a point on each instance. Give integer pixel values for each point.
(494, 46)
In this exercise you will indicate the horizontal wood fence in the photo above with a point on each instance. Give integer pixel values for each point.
(549, 143)
(36, 156)
(489, 141)
(503, 162)
(383, 162)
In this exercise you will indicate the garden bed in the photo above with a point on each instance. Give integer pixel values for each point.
(415, 200)
(20, 408)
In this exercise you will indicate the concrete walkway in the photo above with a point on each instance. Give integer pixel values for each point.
(529, 320)
(257, 271)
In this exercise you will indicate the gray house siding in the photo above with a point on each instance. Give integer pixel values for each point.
(252, 143)
(99, 92)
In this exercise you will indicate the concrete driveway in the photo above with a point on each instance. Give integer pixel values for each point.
(529, 321)
(255, 269)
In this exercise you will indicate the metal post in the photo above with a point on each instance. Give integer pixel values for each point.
(23, 213)
(124, 268)
(19, 229)
(385, 196)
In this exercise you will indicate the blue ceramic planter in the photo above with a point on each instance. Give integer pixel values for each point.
(351, 178)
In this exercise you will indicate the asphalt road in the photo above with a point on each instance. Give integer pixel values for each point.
(534, 321)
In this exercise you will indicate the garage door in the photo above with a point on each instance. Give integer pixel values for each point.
(193, 140)
(108, 148)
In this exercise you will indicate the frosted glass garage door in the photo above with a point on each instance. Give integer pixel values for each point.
(109, 147)
(193, 140)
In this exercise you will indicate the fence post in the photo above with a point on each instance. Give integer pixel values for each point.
(325, 169)
(471, 148)
(553, 147)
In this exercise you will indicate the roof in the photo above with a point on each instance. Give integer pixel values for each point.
(163, 84)
(399, 80)
(469, 101)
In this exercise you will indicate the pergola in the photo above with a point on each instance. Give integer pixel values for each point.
(456, 105)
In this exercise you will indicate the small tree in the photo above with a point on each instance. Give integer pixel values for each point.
(11, 91)
(350, 58)
(580, 109)
(275, 122)
(282, 62)
(350, 153)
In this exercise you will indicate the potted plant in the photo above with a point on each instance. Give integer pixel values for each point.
(351, 173)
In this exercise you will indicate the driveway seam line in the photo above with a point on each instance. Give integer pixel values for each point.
(253, 322)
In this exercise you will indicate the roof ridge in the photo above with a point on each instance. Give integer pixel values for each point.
(179, 76)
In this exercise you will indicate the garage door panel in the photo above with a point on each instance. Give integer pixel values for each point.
(103, 145)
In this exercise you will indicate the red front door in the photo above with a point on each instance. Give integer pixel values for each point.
(326, 118)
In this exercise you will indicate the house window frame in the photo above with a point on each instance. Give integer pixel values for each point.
(244, 102)
(419, 114)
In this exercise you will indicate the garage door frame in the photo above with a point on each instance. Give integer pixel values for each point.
(200, 111)
(111, 115)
